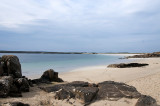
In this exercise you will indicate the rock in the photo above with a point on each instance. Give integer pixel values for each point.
(12, 65)
(113, 91)
(156, 52)
(5, 85)
(128, 91)
(146, 101)
(14, 104)
(63, 91)
(129, 65)
(147, 55)
(50, 75)
(22, 84)
(107, 90)
(15, 90)
(77, 89)
(47, 77)
(84, 91)
(85, 94)
(12, 83)
(29, 81)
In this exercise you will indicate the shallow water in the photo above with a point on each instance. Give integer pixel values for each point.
(36, 64)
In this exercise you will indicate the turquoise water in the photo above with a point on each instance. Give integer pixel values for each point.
(36, 64)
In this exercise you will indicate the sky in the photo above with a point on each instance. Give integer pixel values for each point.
(80, 25)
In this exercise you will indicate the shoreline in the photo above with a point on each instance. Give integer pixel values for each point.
(90, 66)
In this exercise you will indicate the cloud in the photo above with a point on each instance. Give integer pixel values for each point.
(77, 22)
(15, 13)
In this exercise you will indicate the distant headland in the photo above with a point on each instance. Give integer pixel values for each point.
(45, 52)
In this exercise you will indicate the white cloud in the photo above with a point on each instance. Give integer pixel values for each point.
(14, 13)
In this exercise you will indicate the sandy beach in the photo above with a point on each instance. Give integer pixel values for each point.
(102, 73)
(145, 79)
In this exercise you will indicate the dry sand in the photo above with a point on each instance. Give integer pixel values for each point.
(102, 73)
(145, 79)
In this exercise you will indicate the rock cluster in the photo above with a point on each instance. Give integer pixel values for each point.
(84, 91)
(114, 90)
(12, 83)
(147, 55)
(88, 93)
(128, 65)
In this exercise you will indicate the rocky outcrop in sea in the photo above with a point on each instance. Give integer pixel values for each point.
(146, 55)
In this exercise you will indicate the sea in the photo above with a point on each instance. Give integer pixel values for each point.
(36, 64)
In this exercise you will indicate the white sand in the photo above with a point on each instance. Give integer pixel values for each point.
(149, 85)
(102, 73)
(145, 79)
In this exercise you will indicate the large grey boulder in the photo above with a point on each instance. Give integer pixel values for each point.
(12, 66)
(114, 90)
(50, 75)
(47, 77)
